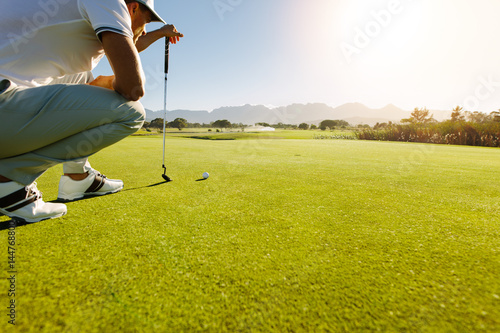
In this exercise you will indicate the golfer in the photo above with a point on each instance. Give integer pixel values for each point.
(52, 110)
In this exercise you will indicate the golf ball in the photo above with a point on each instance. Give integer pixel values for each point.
(206, 175)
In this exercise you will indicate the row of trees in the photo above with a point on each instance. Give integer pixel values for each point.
(325, 124)
(181, 123)
(278, 125)
(424, 117)
(463, 128)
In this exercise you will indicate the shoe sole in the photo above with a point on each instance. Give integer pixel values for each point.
(85, 195)
(22, 219)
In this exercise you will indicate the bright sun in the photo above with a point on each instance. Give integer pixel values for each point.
(380, 33)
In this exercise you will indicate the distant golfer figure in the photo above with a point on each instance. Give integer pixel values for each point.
(52, 110)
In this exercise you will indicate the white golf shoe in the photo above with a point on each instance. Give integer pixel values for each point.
(94, 184)
(25, 203)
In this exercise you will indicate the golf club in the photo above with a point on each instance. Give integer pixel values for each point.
(167, 50)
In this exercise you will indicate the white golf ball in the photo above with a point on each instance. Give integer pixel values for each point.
(206, 175)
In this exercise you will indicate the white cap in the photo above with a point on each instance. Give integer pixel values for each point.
(150, 4)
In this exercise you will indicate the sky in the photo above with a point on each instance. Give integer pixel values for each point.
(410, 53)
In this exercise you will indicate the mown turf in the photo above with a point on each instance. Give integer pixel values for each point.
(285, 235)
(238, 134)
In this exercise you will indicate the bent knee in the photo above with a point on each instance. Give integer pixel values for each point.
(136, 115)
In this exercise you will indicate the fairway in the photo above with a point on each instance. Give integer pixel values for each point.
(286, 235)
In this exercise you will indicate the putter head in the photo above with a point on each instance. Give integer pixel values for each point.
(167, 178)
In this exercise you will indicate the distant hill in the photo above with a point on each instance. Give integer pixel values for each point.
(314, 113)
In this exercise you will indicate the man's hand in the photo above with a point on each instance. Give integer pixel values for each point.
(171, 32)
(104, 82)
(168, 31)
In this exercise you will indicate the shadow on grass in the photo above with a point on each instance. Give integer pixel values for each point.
(98, 196)
(13, 224)
(146, 186)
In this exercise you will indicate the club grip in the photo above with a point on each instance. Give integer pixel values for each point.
(167, 51)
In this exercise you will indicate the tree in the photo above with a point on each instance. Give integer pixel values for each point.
(380, 126)
(179, 123)
(304, 126)
(477, 117)
(238, 125)
(419, 116)
(343, 123)
(495, 116)
(328, 124)
(263, 124)
(457, 115)
(222, 124)
(313, 127)
(194, 125)
(156, 123)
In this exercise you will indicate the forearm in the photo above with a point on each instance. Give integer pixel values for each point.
(167, 31)
(145, 41)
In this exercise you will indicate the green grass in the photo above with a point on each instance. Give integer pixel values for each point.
(237, 134)
(285, 235)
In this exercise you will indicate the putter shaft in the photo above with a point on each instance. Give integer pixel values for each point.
(167, 51)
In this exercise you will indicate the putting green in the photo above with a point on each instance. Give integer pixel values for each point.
(285, 235)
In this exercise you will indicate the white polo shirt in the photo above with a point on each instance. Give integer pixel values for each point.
(42, 40)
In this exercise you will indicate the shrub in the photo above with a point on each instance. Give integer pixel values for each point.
(447, 132)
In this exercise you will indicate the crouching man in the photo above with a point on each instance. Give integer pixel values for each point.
(52, 110)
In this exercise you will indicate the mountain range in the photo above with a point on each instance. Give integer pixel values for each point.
(314, 113)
